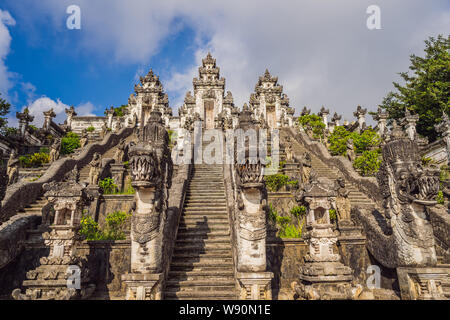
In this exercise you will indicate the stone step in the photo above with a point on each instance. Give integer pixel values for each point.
(203, 260)
(202, 251)
(213, 202)
(196, 233)
(200, 267)
(203, 247)
(200, 286)
(217, 295)
(206, 241)
(189, 227)
(205, 208)
(203, 237)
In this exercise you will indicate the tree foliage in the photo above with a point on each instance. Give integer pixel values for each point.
(314, 123)
(4, 110)
(69, 143)
(426, 91)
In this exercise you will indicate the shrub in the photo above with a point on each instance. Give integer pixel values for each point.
(113, 230)
(69, 143)
(291, 231)
(90, 129)
(333, 216)
(298, 211)
(44, 150)
(338, 141)
(276, 182)
(34, 160)
(368, 163)
(366, 141)
(440, 197)
(108, 186)
(313, 122)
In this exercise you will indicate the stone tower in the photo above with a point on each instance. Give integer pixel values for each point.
(209, 103)
(149, 96)
(269, 104)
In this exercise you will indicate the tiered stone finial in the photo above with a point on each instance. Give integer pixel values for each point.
(360, 113)
(444, 129)
(381, 116)
(24, 119)
(324, 114)
(336, 118)
(410, 122)
(48, 116)
(70, 114)
(305, 111)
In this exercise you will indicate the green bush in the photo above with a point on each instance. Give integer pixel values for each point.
(90, 129)
(276, 182)
(34, 160)
(333, 216)
(70, 143)
(291, 231)
(313, 122)
(368, 163)
(338, 141)
(108, 186)
(298, 211)
(113, 230)
(44, 150)
(366, 141)
(440, 197)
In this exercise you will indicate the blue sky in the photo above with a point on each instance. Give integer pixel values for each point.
(321, 51)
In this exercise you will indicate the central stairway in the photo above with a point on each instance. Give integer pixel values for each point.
(202, 262)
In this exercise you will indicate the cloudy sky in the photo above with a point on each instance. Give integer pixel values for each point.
(322, 51)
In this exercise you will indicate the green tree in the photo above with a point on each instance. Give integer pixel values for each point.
(314, 123)
(4, 110)
(69, 143)
(426, 91)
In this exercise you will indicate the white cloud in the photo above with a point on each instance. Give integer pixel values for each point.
(321, 51)
(43, 104)
(5, 46)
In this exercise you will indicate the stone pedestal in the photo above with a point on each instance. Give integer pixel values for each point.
(255, 285)
(423, 283)
(143, 286)
(118, 173)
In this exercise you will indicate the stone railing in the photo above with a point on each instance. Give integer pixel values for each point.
(368, 185)
(23, 194)
(177, 194)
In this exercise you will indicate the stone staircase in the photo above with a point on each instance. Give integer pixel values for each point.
(35, 208)
(84, 172)
(202, 262)
(356, 197)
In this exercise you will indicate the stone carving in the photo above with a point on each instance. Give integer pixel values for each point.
(52, 279)
(48, 116)
(351, 155)
(343, 206)
(13, 168)
(3, 177)
(444, 129)
(119, 155)
(323, 276)
(94, 171)
(251, 202)
(151, 169)
(404, 236)
(104, 131)
(55, 150)
(84, 138)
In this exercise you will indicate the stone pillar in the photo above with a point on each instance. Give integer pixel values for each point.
(410, 124)
(110, 114)
(48, 116)
(251, 222)
(360, 113)
(151, 170)
(24, 119)
(381, 116)
(70, 114)
(117, 172)
(444, 129)
(324, 114)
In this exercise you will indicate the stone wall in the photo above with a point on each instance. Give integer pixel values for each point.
(440, 220)
(24, 193)
(80, 123)
(111, 203)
